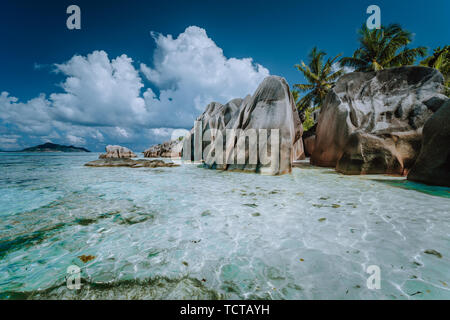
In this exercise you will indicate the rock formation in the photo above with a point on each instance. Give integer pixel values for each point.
(433, 164)
(309, 140)
(127, 162)
(117, 152)
(168, 149)
(372, 122)
(248, 122)
(309, 143)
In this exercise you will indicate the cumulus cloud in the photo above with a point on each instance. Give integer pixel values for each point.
(122, 132)
(105, 101)
(74, 140)
(191, 71)
(8, 141)
(32, 117)
(99, 91)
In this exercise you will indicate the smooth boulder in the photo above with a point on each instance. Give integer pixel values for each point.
(117, 152)
(372, 122)
(309, 140)
(271, 107)
(309, 143)
(168, 149)
(433, 164)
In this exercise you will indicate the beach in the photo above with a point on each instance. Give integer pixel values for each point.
(192, 233)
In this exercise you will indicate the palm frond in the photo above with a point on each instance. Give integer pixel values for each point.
(304, 87)
(406, 57)
(383, 48)
(356, 63)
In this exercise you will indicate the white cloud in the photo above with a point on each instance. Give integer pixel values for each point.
(99, 91)
(122, 132)
(191, 71)
(103, 100)
(74, 140)
(9, 139)
(30, 117)
(8, 142)
(161, 132)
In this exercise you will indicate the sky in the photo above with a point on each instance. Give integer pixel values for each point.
(138, 70)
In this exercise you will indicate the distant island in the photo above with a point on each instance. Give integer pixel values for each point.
(52, 147)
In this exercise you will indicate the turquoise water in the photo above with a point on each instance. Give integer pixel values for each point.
(188, 233)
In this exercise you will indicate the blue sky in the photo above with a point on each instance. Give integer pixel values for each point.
(45, 103)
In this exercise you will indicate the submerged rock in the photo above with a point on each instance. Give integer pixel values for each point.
(86, 258)
(271, 107)
(372, 122)
(433, 164)
(118, 152)
(433, 252)
(168, 149)
(126, 162)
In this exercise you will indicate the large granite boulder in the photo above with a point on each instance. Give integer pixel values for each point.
(309, 140)
(433, 164)
(230, 126)
(168, 149)
(309, 143)
(117, 152)
(215, 116)
(372, 122)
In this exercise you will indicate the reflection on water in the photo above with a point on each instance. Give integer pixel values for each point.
(187, 232)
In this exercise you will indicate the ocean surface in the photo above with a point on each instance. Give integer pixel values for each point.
(193, 233)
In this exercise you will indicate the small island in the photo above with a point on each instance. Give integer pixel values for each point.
(52, 147)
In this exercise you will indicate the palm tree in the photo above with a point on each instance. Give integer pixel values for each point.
(440, 60)
(383, 48)
(320, 76)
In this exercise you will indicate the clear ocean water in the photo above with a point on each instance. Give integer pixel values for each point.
(193, 233)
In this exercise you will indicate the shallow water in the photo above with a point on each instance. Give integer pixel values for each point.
(187, 232)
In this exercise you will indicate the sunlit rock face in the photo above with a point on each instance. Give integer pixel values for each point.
(168, 149)
(118, 152)
(372, 122)
(270, 114)
(433, 164)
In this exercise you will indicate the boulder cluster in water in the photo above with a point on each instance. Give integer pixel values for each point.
(118, 156)
(393, 121)
(169, 149)
(117, 152)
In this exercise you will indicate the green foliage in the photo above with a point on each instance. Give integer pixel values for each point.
(309, 119)
(383, 48)
(440, 60)
(321, 77)
(306, 113)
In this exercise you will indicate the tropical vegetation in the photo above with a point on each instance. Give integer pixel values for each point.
(379, 49)
(440, 60)
(321, 76)
(383, 48)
